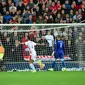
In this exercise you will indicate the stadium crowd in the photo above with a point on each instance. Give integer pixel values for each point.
(41, 11)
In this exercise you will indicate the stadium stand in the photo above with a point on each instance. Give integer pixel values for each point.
(41, 11)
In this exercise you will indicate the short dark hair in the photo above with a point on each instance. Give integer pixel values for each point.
(59, 36)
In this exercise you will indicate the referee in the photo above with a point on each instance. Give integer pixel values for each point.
(2, 50)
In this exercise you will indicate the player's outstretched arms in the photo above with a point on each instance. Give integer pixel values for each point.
(21, 43)
(39, 44)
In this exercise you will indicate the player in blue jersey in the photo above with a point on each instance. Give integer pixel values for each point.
(58, 52)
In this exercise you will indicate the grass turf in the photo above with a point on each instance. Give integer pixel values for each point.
(42, 78)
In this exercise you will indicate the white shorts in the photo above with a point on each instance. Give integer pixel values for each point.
(33, 56)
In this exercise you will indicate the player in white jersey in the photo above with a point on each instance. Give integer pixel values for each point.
(31, 46)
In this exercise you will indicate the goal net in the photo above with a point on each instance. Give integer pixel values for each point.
(16, 55)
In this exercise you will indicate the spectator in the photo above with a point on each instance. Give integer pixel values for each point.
(43, 49)
(13, 13)
(77, 17)
(31, 4)
(49, 3)
(63, 15)
(8, 49)
(53, 7)
(19, 21)
(76, 7)
(68, 7)
(56, 33)
(71, 20)
(50, 40)
(26, 2)
(16, 2)
(63, 32)
(50, 19)
(20, 7)
(25, 15)
(40, 19)
(83, 3)
(34, 17)
(83, 12)
(67, 18)
(79, 1)
(64, 8)
(1, 19)
(13, 8)
(17, 52)
(58, 6)
(25, 49)
(7, 17)
(71, 14)
(29, 21)
(15, 36)
(5, 34)
(58, 18)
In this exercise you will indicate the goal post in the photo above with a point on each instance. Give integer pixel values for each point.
(16, 56)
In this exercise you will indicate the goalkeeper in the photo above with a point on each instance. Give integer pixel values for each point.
(58, 52)
(1, 56)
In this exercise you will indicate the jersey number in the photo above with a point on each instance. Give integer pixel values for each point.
(61, 45)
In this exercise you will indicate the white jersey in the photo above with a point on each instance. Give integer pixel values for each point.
(50, 39)
(31, 47)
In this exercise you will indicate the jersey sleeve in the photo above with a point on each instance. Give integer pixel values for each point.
(34, 43)
(55, 47)
(52, 38)
(26, 43)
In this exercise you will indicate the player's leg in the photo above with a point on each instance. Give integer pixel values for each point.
(31, 64)
(62, 59)
(1, 61)
(38, 62)
(54, 62)
(56, 57)
(53, 65)
(41, 65)
(63, 62)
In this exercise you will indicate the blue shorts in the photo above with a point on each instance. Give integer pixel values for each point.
(59, 54)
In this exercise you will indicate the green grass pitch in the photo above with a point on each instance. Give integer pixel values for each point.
(42, 78)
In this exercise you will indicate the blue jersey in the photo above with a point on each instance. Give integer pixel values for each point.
(59, 49)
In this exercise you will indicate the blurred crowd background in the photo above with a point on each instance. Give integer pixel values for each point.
(41, 11)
